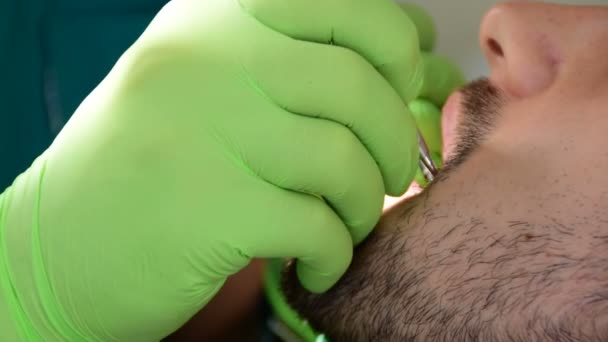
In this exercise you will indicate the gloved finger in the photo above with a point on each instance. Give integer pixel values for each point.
(338, 85)
(322, 158)
(311, 232)
(376, 29)
(428, 120)
(441, 78)
(427, 34)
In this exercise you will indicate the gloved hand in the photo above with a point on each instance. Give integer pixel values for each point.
(230, 130)
(441, 78)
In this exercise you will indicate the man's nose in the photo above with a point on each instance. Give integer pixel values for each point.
(520, 41)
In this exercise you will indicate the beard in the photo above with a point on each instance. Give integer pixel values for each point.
(480, 109)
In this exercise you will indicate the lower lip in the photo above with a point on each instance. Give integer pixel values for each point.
(449, 122)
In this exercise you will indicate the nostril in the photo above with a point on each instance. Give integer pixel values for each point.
(495, 47)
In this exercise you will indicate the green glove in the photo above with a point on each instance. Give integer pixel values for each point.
(441, 78)
(427, 33)
(428, 120)
(230, 130)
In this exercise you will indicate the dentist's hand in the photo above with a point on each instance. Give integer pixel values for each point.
(441, 78)
(232, 129)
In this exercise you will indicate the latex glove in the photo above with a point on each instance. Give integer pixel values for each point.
(230, 130)
(428, 120)
(441, 78)
(425, 26)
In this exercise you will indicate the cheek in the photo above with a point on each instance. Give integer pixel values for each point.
(586, 70)
(586, 79)
(493, 182)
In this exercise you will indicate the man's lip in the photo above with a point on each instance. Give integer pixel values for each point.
(449, 123)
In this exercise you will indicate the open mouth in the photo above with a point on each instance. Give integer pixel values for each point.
(449, 123)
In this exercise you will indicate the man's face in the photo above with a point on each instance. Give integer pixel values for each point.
(511, 241)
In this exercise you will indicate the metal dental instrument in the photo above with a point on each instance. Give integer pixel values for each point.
(429, 170)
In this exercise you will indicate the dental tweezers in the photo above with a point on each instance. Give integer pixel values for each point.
(429, 170)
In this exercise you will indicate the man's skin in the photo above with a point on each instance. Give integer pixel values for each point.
(509, 244)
